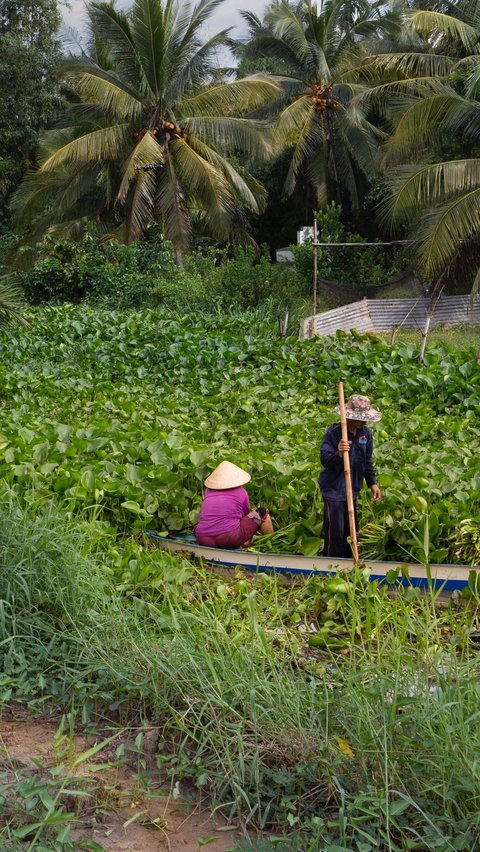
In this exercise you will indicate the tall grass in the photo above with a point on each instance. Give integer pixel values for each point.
(377, 748)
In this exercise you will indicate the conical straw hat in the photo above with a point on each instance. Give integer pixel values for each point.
(227, 475)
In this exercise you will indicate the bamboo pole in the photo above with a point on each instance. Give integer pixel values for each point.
(315, 265)
(348, 479)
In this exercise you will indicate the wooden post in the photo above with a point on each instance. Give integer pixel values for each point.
(283, 325)
(315, 265)
(425, 331)
(348, 479)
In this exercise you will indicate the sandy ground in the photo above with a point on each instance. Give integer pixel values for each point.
(133, 817)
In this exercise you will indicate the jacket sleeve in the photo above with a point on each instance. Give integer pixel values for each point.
(329, 455)
(370, 477)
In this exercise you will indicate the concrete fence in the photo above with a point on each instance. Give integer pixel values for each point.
(386, 314)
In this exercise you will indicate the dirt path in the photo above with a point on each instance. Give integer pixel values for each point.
(119, 813)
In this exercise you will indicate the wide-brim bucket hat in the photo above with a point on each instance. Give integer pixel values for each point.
(359, 407)
(227, 475)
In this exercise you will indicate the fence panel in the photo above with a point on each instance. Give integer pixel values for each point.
(377, 315)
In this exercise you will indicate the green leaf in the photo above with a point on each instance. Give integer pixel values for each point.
(88, 480)
(133, 506)
(398, 806)
(24, 831)
(133, 474)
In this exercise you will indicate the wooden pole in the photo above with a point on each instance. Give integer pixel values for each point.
(315, 265)
(348, 479)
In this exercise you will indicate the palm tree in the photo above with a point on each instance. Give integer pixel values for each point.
(145, 136)
(335, 146)
(441, 199)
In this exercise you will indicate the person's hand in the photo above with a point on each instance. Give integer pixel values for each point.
(344, 446)
(262, 511)
(376, 493)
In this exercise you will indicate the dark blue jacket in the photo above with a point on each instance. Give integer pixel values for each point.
(332, 478)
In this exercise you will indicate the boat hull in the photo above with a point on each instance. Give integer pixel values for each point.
(445, 577)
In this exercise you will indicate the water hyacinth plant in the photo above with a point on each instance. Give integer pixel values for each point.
(125, 414)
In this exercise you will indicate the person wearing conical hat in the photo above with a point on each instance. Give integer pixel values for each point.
(359, 411)
(226, 519)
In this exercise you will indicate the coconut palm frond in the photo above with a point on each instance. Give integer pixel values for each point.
(51, 140)
(141, 205)
(252, 21)
(266, 44)
(472, 82)
(146, 152)
(408, 64)
(232, 134)
(35, 194)
(309, 146)
(108, 94)
(191, 19)
(292, 120)
(12, 301)
(207, 183)
(288, 28)
(192, 68)
(107, 143)
(359, 138)
(435, 24)
(171, 207)
(395, 97)
(78, 182)
(387, 24)
(149, 23)
(112, 27)
(347, 175)
(412, 187)
(420, 122)
(76, 66)
(444, 228)
(345, 91)
(240, 96)
(247, 189)
(86, 115)
(59, 190)
(185, 47)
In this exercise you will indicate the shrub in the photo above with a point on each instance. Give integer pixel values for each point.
(144, 275)
(369, 266)
(69, 271)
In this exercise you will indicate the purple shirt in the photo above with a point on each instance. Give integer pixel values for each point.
(222, 510)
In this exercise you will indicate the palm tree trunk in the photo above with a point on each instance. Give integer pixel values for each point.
(331, 162)
(436, 293)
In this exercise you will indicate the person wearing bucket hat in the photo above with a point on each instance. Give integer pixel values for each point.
(359, 411)
(225, 516)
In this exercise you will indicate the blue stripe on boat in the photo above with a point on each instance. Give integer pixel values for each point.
(446, 583)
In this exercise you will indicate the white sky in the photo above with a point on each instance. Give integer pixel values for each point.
(226, 15)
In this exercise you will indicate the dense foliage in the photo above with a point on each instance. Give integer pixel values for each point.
(376, 108)
(363, 268)
(29, 52)
(127, 412)
(144, 274)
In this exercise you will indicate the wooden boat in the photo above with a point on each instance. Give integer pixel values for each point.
(444, 577)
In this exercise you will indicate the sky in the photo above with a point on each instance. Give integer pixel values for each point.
(226, 15)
